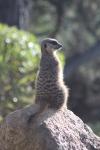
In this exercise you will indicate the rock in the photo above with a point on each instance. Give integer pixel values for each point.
(61, 130)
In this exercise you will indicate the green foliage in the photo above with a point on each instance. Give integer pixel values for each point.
(19, 58)
(62, 58)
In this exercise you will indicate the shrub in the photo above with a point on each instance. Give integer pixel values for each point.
(19, 58)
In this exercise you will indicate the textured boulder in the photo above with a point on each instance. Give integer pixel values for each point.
(52, 130)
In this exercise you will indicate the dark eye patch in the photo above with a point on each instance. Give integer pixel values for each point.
(53, 42)
(45, 45)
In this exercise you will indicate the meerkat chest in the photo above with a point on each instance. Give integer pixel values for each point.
(49, 75)
(47, 82)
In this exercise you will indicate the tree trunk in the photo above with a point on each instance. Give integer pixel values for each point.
(15, 12)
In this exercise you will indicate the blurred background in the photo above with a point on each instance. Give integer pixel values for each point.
(76, 24)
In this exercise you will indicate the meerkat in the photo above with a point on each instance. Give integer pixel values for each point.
(50, 87)
(51, 91)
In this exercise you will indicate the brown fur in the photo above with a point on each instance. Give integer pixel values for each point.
(50, 88)
(51, 91)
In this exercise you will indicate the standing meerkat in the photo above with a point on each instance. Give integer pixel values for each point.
(50, 88)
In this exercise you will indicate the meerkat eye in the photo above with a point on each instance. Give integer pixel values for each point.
(54, 42)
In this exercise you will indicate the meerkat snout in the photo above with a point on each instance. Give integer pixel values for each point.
(50, 45)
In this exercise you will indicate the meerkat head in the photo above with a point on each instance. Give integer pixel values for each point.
(50, 45)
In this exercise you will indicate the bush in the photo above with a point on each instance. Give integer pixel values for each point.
(19, 58)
